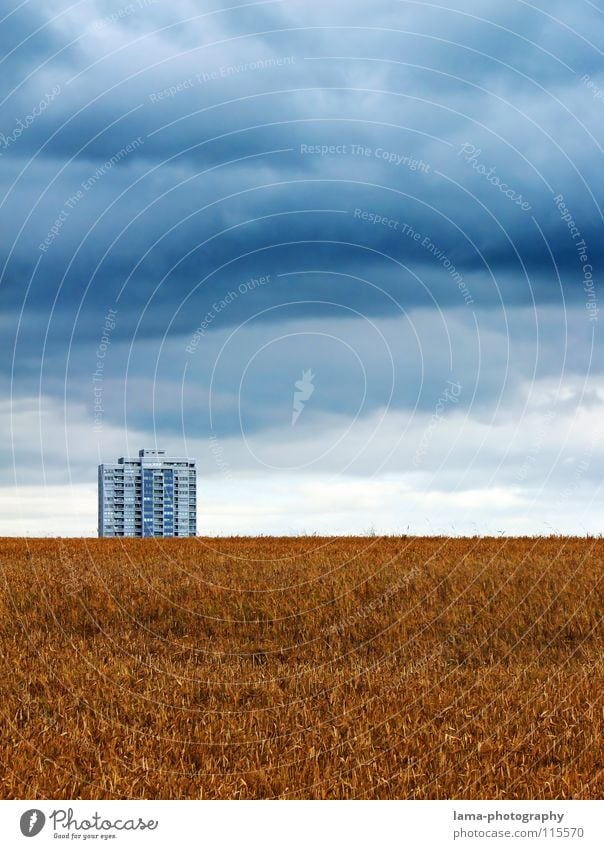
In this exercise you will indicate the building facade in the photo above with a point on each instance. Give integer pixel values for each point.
(151, 495)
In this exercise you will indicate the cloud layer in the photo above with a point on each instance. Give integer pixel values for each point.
(200, 205)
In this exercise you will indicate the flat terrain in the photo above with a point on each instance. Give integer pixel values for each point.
(352, 667)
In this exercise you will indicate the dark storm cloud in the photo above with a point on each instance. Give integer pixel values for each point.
(185, 156)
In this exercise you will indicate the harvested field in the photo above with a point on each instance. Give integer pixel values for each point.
(357, 667)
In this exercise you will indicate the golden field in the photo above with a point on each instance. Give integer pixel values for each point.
(356, 667)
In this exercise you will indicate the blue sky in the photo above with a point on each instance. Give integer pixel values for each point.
(385, 217)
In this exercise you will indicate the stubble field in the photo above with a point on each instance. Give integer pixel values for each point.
(359, 667)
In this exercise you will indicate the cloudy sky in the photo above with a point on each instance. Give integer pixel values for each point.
(347, 255)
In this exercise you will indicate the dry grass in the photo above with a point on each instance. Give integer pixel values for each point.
(309, 667)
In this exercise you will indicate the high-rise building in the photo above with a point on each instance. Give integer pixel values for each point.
(151, 495)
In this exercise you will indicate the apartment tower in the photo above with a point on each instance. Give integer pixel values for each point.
(151, 495)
